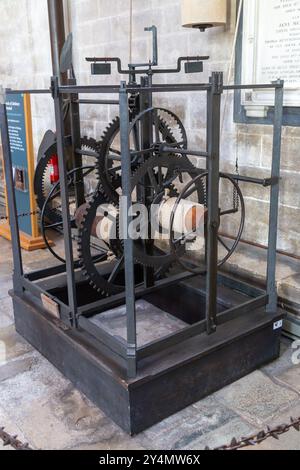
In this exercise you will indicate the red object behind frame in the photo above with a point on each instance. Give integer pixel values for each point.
(54, 171)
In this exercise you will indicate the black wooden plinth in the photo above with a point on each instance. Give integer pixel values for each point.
(166, 383)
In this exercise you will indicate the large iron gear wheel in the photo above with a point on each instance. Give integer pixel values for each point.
(175, 166)
(110, 185)
(237, 208)
(103, 284)
(42, 185)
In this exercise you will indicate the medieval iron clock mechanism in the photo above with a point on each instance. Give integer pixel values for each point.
(136, 310)
(159, 163)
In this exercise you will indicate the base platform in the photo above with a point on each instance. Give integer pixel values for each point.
(167, 381)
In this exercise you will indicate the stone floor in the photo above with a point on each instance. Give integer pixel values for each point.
(44, 409)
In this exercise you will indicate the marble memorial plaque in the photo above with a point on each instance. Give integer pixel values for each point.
(271, 48)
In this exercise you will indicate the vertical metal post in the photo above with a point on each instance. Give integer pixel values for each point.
(208, 140)
(274, 199)
(76, 144)
(214, 112)
(12, 207)
(57, 39)
(147, 142)
(208, 121)
(65, 200)
(128, 242)
(57, 35)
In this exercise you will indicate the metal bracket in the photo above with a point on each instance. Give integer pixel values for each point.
(54, 88)
(270, 181)
(154, 41)
(217, 83)
(278, 82)
(131, 351)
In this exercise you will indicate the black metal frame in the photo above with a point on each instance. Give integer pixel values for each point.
(75, 316)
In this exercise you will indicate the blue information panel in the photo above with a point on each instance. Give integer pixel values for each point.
(18, 146)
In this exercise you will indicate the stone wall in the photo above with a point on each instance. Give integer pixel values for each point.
(101, 27)
(25, 60)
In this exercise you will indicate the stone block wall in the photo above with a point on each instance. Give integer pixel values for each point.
(101, 27)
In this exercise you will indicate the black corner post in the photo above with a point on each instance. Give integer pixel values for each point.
(76, 145)
(213, 146)
(57, 35)
(57, 41)
(274, 199)
(128, 242)
(147, 142)
(57, 97)
(12, 207)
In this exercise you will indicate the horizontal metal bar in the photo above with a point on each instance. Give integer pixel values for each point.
(199, 328)
(52, 271)
(170, 85)
(31, 92)
(169, 88)
(134, 66)
(249, 179)
(253, 87)
(195, 153)
(48, 272)
(229, 212)
(97, 102)
(226, 87)
(115, 344)
(67, 89)
(240, 286)
(234, 312)
(44, 273)
(87, 153)
(104, 304)
(138, 152)
(76, 89)
(132, 89)
(171, 340)
(101, 305)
